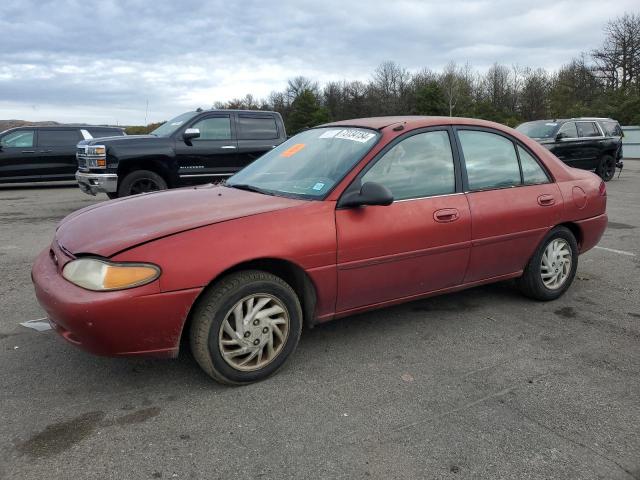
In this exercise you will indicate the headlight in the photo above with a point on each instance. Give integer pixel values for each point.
(97, 150)
(101, 275)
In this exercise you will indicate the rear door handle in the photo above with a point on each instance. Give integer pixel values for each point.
(228, 146)
(45, 151)
(28, 151)
(546, 200)
(446, 215)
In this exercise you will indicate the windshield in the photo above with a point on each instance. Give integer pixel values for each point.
(167, 128)
(308, 165)
(541, 129)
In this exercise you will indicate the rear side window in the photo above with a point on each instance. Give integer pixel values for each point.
(490, 159)
(257, 128)
(587, 129)
(419, 166)
(612, 129)
(532, 172)
(214, 128)
(19, 139)
(568, 130)
(58, 138)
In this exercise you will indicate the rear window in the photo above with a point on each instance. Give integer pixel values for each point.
(257, 128)
(540, 129)
(612, 129)
(58, 138)
(587, 129)
(101, 132)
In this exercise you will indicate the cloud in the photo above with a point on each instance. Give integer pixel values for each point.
(102, 61)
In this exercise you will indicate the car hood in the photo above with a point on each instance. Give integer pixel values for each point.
(111, 227)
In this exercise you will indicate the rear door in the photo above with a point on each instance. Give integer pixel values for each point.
(257, 134)
(213, 154)
(56, 149)
(592, 142)
(512, 201)
(18, 160)
(420, 243)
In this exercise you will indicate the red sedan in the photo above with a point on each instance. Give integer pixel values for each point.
(343, 218)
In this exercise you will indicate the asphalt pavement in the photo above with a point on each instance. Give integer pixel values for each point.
(480, 384)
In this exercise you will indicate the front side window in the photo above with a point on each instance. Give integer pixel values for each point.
(419, 166)
(532, 172)
(58, 138)
(307, 165)
(19, 139)
(214, 128)
(490, 159)
(257, 128)
(587, 129)
(568, 130)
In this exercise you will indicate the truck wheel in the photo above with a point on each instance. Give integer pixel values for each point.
(141, 181)
(245, 327)
(607, 168)
(552, 268)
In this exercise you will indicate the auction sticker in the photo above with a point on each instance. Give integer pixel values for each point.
(291, 151)
(355, 135)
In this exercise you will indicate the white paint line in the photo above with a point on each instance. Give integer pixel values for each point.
(39, 325)
(613, 250)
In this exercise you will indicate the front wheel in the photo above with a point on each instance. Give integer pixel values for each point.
(607, 168)
(141, 181)
(245, 327)
(552, 268)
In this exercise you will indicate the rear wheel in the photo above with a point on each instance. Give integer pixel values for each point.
(141, 181)
(245, 327)
(552, 268)
(607, 168)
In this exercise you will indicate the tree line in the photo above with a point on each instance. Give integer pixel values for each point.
(604, 82)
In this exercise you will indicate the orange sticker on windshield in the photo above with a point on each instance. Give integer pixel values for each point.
(291, 151)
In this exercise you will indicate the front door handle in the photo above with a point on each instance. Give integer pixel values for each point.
(546, 200)
(446, 215)
(28, 151)
(228, 146)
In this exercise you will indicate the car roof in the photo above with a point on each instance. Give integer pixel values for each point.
(411, 121)
(64, 127)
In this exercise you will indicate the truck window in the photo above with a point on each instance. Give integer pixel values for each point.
(19, 139)
(257, 128)
(568, 130)
(587, 129)
(58, 138)
(214, 128)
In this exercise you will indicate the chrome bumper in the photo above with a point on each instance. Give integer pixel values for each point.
(92, 183)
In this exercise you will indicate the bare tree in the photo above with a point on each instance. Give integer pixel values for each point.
(618, 60)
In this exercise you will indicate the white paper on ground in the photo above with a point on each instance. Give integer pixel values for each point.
(40, 325)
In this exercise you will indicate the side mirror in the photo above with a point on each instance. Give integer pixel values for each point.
(560, 136)
(370, 193)
(189, 134)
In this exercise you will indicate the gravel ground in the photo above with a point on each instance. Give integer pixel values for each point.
(478, 384)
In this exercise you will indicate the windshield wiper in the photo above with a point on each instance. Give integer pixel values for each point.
(247, 187)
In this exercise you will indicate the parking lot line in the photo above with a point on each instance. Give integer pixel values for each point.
(621, 252)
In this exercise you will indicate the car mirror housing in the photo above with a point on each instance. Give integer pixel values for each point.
(371, 193)
(190, 133)
(560, 136)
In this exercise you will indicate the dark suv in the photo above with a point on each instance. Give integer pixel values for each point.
(195, 147)
(587, 143)
(38, 154)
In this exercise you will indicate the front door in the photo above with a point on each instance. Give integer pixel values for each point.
(18, 159)
(420, 243)
(503, 178)
(213, 154)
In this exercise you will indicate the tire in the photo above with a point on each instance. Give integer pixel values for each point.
(532, 284)
(219, 304)
(141, 181)
(607, 168)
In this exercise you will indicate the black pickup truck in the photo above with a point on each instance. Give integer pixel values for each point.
(45, 153)
(589, 143)
(195, 147)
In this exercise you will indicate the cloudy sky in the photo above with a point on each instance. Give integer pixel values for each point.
(100, 62)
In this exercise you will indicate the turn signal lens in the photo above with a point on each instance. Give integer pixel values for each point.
(100, 275)
(602, 190)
